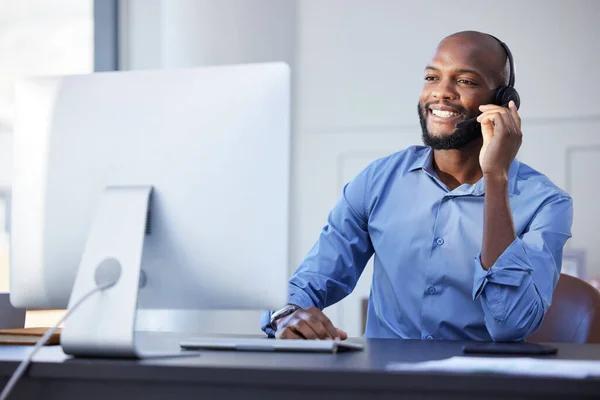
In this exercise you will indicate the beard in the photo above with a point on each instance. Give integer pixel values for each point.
(461, 137)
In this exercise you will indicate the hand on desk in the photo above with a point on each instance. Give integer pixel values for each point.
(310, 323)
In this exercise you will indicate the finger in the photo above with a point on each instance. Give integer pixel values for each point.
(327, 324)
(302, 327)
(288, 333)
(505, 115)
(511, 116)
(488, 107)
(342, 335)
(508, 125)
(488, 118)
(297, 332)
(317, 325)
(511, 125)
(494, 110)
(488, 130)
(487, 127)
(490, 115)
(285, 329)
(498, 122)
(515, 113)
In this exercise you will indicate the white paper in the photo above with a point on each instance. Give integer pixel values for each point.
(506, 365)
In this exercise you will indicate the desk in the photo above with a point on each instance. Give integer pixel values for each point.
(249, 376)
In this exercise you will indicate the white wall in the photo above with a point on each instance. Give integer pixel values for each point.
(186, 33)
(360, 62)
(359, 65)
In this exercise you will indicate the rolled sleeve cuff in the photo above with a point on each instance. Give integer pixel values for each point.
(510, 269)
(300, 298)
(265, 323)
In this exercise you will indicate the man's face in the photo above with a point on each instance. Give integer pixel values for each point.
(462, 75)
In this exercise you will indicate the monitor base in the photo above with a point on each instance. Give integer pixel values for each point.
(104, 325)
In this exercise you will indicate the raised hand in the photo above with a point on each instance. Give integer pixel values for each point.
(502, 138)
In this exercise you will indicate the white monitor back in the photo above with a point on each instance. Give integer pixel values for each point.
(214, 143)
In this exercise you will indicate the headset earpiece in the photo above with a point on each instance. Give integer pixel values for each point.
(505, 94)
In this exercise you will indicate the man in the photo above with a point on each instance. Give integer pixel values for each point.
(467, 240)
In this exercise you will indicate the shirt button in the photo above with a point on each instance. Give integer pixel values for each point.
(429, 337)
(440, 241)
(431, 290)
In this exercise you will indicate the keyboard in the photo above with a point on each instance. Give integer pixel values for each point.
(266, 344)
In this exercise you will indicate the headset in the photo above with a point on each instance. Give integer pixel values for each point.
(504, 94)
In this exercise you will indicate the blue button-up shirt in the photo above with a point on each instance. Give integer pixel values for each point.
(428, 282)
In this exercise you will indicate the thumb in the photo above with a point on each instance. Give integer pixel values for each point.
(341, 334)
(487, 131)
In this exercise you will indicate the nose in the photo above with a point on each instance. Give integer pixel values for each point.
(445, 90)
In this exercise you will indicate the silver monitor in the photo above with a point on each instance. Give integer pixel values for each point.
(180, 177)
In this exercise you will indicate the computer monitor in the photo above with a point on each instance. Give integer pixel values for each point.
(185, 172)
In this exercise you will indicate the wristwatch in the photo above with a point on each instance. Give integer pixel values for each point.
(284, 312)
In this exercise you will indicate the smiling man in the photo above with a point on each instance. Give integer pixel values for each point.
(467, 241)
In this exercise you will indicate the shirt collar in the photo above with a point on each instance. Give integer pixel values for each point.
(423, 159)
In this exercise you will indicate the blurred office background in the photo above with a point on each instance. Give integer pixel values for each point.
(357, 72)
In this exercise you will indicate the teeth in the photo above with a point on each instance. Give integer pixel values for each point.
(444, 114)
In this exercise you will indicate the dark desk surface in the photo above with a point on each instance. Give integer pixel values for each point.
(246, 375)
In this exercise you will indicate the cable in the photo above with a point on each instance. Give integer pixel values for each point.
(25, 363)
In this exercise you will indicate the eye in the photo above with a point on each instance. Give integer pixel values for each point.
(430, 78)
(467, 82)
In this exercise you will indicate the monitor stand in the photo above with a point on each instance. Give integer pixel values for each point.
(104, 324)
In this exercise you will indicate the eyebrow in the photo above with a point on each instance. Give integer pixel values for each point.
(460, 70)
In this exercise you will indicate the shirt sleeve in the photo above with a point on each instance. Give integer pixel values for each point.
(332, 267)
(516, 291)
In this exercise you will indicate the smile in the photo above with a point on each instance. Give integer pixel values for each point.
(444, 114)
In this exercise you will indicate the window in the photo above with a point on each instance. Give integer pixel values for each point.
(39, 37)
